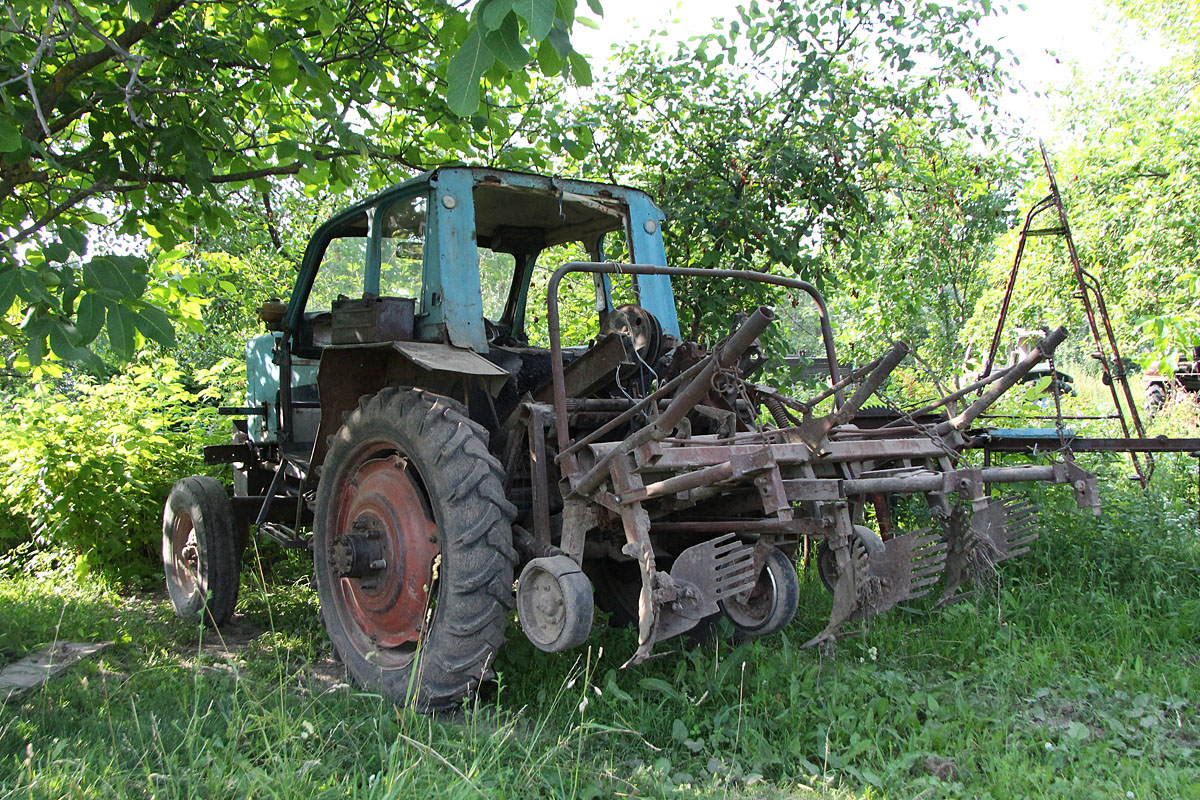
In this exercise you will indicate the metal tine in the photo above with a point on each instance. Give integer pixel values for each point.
(1018, 552)
(1026, 538)
(728, 568)
(729, 547)
(737, 577)
(929, 551)
(734, 563)
(733, 572)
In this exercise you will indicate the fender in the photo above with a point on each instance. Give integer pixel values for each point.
(349, 372)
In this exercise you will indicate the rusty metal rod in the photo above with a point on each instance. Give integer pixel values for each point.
(662, 427)
(950, 398)
(681, 483)
(1045, 348)
(562, 428)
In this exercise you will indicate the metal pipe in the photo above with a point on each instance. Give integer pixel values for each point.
(682, 483)
(1018, 371)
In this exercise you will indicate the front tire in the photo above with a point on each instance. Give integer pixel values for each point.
(201, 552)
(413, 548)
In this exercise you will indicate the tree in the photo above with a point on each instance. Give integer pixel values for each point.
(767, 141)
(1127, 165)
(140, 116)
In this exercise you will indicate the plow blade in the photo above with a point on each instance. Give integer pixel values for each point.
(716, 569)
(1001, 531)
(702, 575)
(905, 568)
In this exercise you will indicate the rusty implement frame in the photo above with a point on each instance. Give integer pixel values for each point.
(705, 516)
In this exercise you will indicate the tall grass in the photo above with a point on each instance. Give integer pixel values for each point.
(1075, 675)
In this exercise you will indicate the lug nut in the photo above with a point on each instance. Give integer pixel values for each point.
(379, 563)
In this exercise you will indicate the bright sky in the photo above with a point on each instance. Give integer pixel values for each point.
(1049, 37)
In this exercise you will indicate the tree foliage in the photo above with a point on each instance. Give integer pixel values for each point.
(767, 140)
(139, 116)
(1128, 166)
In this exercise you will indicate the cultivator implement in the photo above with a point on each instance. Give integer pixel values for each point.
(712, 485)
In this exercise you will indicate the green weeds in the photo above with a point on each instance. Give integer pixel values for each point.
(1076, 675)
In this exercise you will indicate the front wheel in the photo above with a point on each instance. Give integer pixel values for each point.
(413, 548)
(201, 550)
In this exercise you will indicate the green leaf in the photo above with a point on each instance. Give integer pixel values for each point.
(73, 239)
(493, 13)
(580, 70)
(61, 344)
(155, 325)
(594, 5)
(538, 15)
(464, 72)
(660, 686)
(125, 276)
(10, 279)
(57, 252)
(505, 42)
(284, 69)
(10, 136)
(89, 317)
(121, 329)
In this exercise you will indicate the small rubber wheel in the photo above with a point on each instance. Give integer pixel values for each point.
(827, 567)
(772, 602)
(554, 603)
(200, 551)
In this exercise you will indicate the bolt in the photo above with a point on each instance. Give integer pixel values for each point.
(379, 563)
(359, 525)
(369, 586)
(1080, 486)
(965, 483)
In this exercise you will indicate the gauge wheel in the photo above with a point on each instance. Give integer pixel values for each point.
(864, 538)
(200, 551)
(771, 603)
(413, 548)
(554, 603)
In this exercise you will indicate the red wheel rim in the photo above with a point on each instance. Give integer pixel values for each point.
(185, 556)
(379, 492)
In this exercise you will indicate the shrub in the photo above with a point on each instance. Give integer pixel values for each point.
(87, 467)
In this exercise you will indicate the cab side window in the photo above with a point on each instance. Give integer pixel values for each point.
(402, 258)
(343, 266)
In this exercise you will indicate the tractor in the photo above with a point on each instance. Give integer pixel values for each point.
(415, 419)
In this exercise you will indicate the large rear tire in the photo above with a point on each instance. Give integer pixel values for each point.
(201, 551)
(413, 548)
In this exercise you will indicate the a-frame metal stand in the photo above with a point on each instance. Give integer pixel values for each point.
(1107, 353)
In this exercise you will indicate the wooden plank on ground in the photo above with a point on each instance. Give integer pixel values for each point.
(35, 669)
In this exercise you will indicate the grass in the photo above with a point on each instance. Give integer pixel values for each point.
(1078, 675)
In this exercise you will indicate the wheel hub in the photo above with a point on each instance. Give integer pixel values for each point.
(384, 559)
(358, 554)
